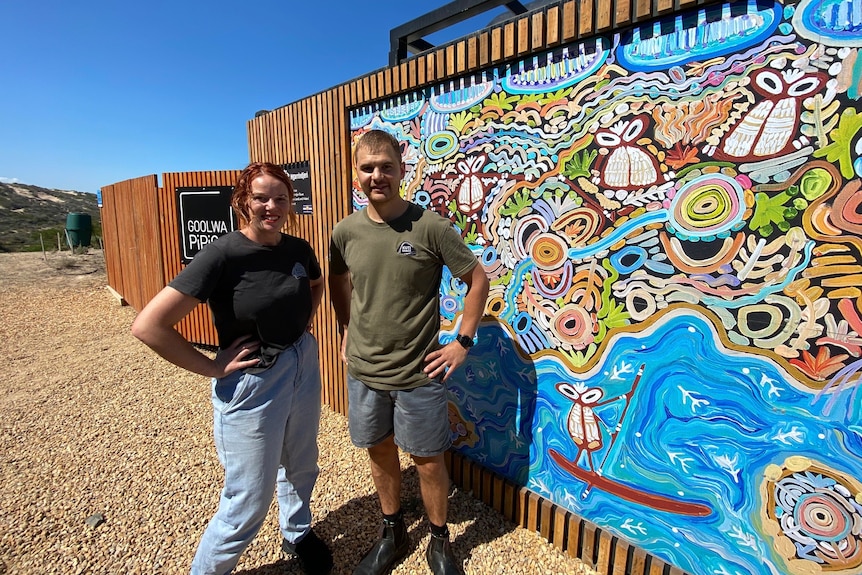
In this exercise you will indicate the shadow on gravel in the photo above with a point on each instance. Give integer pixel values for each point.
(351, 529)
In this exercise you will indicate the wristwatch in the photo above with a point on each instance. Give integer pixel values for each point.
(465, 341)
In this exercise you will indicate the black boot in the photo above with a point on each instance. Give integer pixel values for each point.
(313, 554)
(440, 558)
(389, 549)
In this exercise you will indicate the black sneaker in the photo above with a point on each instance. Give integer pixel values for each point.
(389, 549)
(440, 558)
(313, 554)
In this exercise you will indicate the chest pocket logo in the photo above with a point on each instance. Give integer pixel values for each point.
(406, 249)
(298, 271)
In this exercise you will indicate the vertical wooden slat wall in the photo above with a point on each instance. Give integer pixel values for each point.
(133, 255)
(108, 216)
(316, 129)
(142, 249)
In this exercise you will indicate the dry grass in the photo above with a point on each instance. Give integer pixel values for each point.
(92, 422)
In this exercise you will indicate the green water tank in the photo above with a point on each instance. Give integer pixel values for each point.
(80, 228)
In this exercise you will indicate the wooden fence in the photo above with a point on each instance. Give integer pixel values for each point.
(141, 236)
(142, 241)
(133, 252)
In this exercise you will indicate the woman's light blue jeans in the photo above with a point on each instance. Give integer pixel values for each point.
(265, 428)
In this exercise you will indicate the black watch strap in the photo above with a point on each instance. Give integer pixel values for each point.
(465, 341)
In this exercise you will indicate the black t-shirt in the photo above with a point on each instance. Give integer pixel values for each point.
(252, 289)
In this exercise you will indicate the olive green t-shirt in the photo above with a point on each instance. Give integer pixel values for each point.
(396, 268)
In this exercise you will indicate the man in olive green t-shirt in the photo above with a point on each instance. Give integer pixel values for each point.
(386, 264)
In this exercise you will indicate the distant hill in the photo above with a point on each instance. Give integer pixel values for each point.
(26, 211)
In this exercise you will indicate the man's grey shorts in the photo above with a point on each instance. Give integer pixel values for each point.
(418, 417)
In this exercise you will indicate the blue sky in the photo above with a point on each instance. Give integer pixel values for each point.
(93, 92)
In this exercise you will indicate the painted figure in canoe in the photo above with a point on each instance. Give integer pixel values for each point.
(582, 424)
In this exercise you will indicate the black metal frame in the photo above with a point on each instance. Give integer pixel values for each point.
(410, 37)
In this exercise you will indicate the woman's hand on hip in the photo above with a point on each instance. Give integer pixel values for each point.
(235, 356)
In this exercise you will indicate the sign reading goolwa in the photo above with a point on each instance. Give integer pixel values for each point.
(204, 214)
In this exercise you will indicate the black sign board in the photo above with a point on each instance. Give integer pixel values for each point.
(204, 214)
(301, 179)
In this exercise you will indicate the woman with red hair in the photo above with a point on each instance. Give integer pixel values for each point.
(263, 287)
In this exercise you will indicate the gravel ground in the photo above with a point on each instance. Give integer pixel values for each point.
(92, 422)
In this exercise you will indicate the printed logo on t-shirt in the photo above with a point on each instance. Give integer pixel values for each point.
(406, 249)
(299, 271)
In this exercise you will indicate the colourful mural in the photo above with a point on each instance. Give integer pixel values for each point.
(672, 222)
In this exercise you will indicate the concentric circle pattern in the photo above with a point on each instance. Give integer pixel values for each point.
(818, 514)
(707, 206)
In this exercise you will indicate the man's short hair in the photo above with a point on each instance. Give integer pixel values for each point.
(376, 140)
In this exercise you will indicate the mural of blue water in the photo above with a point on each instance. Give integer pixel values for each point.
(703, 426)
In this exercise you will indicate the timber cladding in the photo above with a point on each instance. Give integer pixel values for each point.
(142, 240)
(133, 248)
